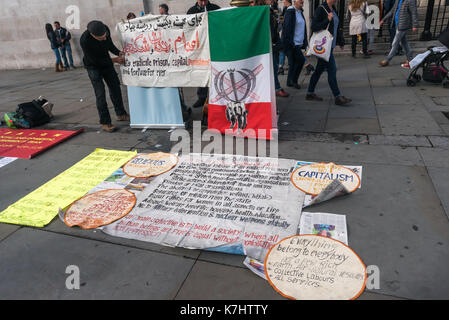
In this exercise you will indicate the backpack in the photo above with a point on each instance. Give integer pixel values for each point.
(33, 112)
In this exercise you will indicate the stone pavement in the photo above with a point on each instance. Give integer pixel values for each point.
(397, 221)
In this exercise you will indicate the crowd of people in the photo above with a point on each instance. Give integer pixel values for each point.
(289, 38)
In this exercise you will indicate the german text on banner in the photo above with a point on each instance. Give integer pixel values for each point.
(242, 87)
(166, 51)
(39, 207)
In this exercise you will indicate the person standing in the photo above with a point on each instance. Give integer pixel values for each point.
(326, 18)
(294, 35)
(199, 7)
(357, 25)
(55, 44)
(63, 36)
(96, 44)
(405, 18)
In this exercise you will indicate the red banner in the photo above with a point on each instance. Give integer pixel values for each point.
(27, 143)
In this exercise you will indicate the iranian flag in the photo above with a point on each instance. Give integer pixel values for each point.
(242, 97)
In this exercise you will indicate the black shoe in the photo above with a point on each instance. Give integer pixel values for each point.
(199, 103)
(341, 100)
(313, 97)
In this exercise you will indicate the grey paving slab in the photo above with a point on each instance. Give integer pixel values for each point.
(440, 179)
(407, 141)
(430, 104)
(349, 154)
(372, 295)
(211, 281)
(439, 117)
(352, 125)
(406, 120)
(60, 227)
(312, 120)
(106, 271)
(233, 260)
(394, 95)
(323, 137)
(379, 81)
(435, 157)
(395, 221)
(439, 142)
(6, 230)
(356, 110)
(126, 138)
(445, 128)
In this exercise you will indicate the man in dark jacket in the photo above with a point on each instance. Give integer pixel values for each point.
(64, 38)
(96, 43)
(199, 7)
(326, 18)
(294, 39)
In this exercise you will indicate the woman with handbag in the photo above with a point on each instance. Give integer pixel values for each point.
(357, 25)
(326, 18)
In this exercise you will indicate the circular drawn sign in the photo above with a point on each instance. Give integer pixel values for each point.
(146, 165)
(314, 178)
(310, 267)
(100, 208)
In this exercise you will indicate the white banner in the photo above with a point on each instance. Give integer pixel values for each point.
(166, 51)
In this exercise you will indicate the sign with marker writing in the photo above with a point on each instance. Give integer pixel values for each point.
(311, 267)
(146, 165)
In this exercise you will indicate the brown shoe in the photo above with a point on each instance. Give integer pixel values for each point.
(123, 117)
(341, 100)
(313, 97)
(57, 68)
(108, 128)
(383, 63)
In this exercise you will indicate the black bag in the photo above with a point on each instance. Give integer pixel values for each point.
(33, 112)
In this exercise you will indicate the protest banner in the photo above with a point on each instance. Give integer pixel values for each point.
(311, 267)
(166, 51)
(234, 204)
(27, 143)
(39, 207)
(242, 97)
(146, 165)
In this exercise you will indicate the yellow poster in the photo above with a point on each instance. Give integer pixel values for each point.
(39, 207)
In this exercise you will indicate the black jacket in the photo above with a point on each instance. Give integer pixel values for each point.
(320, 22)
(288, 30)
(197, 9)
(275, 39)
(63, 34)
(96, 53)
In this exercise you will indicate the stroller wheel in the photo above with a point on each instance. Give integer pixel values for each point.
(411, 83)
(417, 77)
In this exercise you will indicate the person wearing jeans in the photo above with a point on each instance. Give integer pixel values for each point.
(64, 38)
(326, 18)
(404, 15)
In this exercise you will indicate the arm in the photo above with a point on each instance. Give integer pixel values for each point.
(288, 31)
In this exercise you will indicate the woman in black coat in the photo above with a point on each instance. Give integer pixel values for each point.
(51, 35)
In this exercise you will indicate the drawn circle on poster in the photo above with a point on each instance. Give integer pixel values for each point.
(311, 267)
(147, 165)
(100, 208)
(314, 178)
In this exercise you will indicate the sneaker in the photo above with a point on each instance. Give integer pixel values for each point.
(282, 93)
(405, 65)
(383, 63)
(123, 117)
(199, 103)
(313, 97)
(108, 128)
(342, 100)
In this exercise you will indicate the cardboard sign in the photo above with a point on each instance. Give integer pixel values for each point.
(146, 165)
(100, 208)
(314, 178)
(27, 143)
(311, 267)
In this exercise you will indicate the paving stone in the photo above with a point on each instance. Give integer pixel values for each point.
(361, 126)
(394, 95)
(106, 271)
(7, 229)
(439, 117)
(407, 141)
(439, 142)
(311, 120)
(435, 157)
(355, 110)
(440, 179)
(323, 137)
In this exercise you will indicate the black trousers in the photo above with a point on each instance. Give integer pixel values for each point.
(296, 61)
(111, 78)
(364, 43)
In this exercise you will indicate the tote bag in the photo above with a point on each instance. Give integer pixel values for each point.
(320, 43)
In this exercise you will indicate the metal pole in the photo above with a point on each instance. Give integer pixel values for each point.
(426, 35)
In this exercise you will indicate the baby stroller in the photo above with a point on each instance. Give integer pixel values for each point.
(432, 64)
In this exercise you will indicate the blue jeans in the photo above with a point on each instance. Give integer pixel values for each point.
(58, 56)
(400, 38)
(281, 58)
(67, 48)
(277, 85)
(331, 68)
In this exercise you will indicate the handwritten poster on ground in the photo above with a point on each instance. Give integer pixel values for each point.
(40, 206)
(166, 51)
(312, 267)
(234, 204)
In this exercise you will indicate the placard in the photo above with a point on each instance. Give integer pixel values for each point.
(146, 165)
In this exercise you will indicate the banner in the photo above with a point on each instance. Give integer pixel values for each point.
(27, 143)
(39, 207)
(166, 51)
(242, 97)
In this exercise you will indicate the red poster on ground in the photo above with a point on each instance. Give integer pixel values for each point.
(27, 143)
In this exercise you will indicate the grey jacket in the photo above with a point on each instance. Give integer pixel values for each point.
(408, 15)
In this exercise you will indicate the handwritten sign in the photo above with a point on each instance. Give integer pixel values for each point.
(166, 51)
(100, 208)
(146, 165)
(312, 267)
(314, 178)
